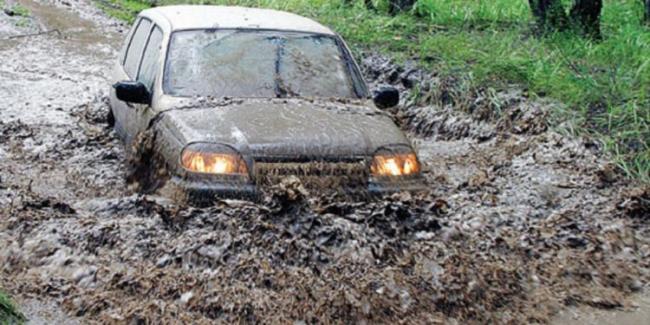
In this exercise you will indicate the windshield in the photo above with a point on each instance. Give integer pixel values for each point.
(247, 63)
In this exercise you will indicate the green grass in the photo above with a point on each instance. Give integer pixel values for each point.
(20, 10)
(605, 86)
(123, 9)
(9, 314)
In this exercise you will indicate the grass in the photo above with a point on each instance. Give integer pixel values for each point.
(19, 10)
(605, 85)
(9, 314)
(123, 9)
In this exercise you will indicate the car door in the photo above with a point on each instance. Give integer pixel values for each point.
(141, 114)
(138, 64)
(126, 69)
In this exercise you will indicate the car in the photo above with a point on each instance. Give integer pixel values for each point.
(233, 99)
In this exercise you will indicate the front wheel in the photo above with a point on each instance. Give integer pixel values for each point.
(146, 170)
(110, 117)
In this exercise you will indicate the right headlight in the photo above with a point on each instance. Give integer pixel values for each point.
(395, 162)
(209, 158)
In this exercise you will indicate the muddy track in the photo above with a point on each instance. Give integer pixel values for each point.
(520, 221)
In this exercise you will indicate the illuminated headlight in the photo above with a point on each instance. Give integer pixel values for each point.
(395, 162)
(213, 159)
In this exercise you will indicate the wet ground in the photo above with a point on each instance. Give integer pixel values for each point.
(520, 222)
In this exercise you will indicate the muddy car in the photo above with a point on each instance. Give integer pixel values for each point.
(232, 99)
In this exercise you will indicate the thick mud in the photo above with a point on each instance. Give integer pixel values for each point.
(519, 223)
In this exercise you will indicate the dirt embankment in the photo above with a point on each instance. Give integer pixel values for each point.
(519, 222)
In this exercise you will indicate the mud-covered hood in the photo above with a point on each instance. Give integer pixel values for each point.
(286, 128)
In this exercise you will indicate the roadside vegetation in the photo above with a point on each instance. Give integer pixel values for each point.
(9, 314)
(14, 9)
(603, 81)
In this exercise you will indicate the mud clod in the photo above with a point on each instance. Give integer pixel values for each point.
(636, 204)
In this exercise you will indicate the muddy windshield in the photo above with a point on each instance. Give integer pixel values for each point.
(245, 63)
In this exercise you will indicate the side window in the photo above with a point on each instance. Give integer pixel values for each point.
(134, 53)
(127, 41)
(149, 64)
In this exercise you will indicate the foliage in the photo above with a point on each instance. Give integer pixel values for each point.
(20, 11)
(9, 314)
(604, 85)
(123, 9)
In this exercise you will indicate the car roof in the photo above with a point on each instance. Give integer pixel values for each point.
(202, 17)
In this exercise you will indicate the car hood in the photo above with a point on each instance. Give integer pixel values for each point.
(286, 128)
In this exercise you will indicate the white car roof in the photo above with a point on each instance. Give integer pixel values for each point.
(202, 17)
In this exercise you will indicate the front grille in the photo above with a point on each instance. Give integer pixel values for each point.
(313, 175)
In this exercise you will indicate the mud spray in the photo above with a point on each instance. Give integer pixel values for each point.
(518, 223)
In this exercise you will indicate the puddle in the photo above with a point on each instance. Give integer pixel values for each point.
(638, 314)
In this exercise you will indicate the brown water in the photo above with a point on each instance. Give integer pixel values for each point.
(637, 314)
(520, 221)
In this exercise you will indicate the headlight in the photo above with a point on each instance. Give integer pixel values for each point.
(213, 159)
(395, 162)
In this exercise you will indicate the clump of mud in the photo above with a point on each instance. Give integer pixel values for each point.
(451, 107)
(405, 258)
(517, 223)
(637, 204)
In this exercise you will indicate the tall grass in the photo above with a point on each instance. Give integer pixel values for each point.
(605, 85)
(464, 12)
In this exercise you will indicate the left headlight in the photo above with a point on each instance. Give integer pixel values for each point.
(213, 159)
(395, 162)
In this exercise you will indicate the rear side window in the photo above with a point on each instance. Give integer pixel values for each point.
(134, 52)
(127, 41)
(149, 66)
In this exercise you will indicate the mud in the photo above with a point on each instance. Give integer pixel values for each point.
(519, 223)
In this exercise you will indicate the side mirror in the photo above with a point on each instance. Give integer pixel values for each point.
(132, 92)
(386, 97)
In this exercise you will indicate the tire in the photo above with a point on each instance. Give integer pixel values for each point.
(110, 117)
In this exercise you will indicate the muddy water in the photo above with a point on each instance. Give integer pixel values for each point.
(638, 314)
(520, 222)
(47, 81)
(54, 67)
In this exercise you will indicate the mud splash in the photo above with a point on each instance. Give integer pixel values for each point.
(519, 221)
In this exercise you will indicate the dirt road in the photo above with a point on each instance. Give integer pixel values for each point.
(520, 221)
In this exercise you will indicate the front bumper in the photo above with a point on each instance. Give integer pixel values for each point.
(205, 191)
(384, 188)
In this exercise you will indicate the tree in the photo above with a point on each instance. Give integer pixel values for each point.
(647, 12)
(396, 6)
(549, 14)
(368, 3)
(584, 16)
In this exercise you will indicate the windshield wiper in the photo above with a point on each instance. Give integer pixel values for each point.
(281, 89)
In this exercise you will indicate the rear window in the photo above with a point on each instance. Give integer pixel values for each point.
(134, 52)
(147, 73)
